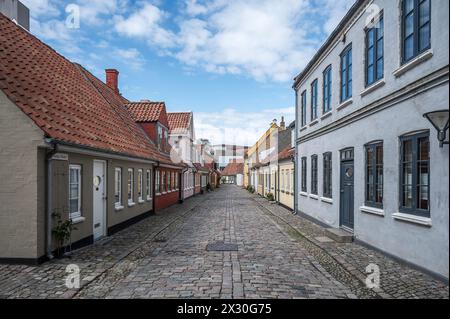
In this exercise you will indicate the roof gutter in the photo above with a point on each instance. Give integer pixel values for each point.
(86, 150)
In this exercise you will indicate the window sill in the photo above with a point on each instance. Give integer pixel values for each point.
(373, 87)
(131, 204)
(78, 220)
(304, 194)
(316, 121)
(372, 211)
(141, 201)
(158, 194)
(413, 63)
(314, 197)
(149, 199)
(303, 128)
(326, 115)
(423, 221)
(327, 200)
(344, 104)
(119, 208)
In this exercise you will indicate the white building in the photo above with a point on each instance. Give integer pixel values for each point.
(368, 161)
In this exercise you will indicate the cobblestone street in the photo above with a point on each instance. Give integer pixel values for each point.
(269, 254)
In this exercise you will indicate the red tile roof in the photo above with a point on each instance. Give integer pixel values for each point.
(149, 112)
(233, 169)
(287, 153)
(179, 121)
(68, 103)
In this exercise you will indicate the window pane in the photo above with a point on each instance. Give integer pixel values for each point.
(370, 56)
(424, 146)
(424, 12)
(73, 203)
(409, 6)
(380, 72)
(409, 25)
(407, 197)
(407, 151)
(74, 191)
(424, 37)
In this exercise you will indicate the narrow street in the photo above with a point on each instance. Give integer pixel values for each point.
(225, 244)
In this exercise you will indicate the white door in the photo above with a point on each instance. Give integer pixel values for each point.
(99, 199)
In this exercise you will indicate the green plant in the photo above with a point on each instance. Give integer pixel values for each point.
(62, 232)
(270, 197)
(251, 189)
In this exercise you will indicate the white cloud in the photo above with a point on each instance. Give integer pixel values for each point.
(131, 57)
(98, 12)
(146, 24)
(231, 126)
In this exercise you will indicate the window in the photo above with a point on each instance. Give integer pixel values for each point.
(140, 185)
(163, 182)
(158, 182)
(374, 175)
(327, 175)
(415, 174)
(75, 191)
(416, 28)
(375, 52)
(160, 135)
(346, 74)
(118, 187)
(169, 181)
(304, 187)
(149, 184)
(304, 108)
(314, 181)
(292, 181)
(314, 88)
(327, 89)
(130, 185)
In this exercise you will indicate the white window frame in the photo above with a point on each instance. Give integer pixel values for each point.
(119, 203)
(141, 183)
(77, 214)
(130, 186)
(149, 185)
(158, 182)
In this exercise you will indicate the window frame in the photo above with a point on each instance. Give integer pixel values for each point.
(349, 62)
(314, 175)
(149, 184)
(118, 203)
(78, 168)
(375, 28)
(314, 100)
(304, 102)
(130, 186)
(414, 137)
(328, 169)
(373, 146)
(416, 30)
(140, 182)
(327, 89)
(304, 177)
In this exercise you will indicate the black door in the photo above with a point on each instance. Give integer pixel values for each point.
(347, 189)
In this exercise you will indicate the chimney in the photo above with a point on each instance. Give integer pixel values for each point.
(17, 12)
(282, 123)
(112, 79)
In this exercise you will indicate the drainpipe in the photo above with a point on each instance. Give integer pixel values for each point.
(295, 160)
(154, 187)
(50, 196)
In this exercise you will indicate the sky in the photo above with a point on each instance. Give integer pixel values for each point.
(231, 62)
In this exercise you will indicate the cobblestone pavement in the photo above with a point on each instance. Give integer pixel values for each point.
(273, 255)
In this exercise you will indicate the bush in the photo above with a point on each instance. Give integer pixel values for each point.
(250, 189)
(270, 197)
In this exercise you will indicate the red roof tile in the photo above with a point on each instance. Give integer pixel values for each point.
(233, 168)
(179, 121)
(149, 112)
(65, 101)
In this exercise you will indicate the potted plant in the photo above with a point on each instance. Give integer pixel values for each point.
(270, 197)
(62, 233)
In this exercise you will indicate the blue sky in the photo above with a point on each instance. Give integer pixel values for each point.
(231, 62)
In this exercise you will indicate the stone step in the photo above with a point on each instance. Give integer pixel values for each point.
(340, 235)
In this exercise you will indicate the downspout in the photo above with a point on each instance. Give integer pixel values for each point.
(154, 187)
(50, 197)
(296, 211)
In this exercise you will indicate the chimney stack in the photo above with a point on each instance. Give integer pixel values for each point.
(282, 123)
(112, 79)
(16, 11)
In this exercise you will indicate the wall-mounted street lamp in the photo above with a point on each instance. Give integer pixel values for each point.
(439, 119)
